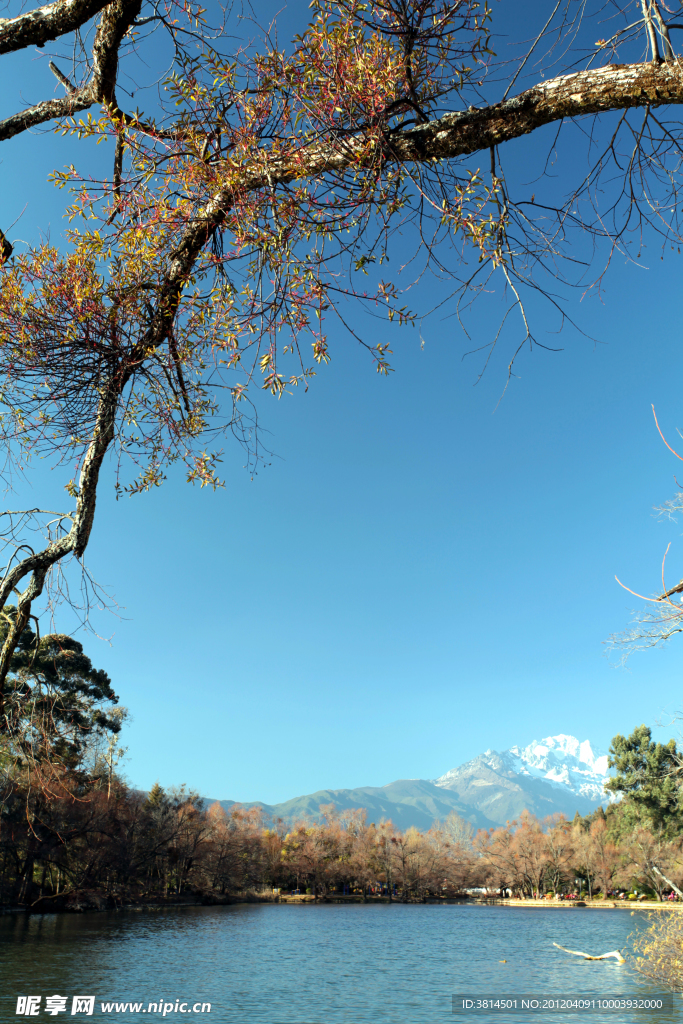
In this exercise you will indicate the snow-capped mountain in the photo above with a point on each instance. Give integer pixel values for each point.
(574, 770)
(563, 760)
(557, 775)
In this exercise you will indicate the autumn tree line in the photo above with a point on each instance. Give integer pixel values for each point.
(112, 844)
(62, 846)
(122, 846)
(74, 834)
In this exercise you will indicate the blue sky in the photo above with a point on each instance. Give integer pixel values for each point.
(421, 572)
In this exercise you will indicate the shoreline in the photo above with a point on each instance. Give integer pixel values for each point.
(94, 903)
(587, 904)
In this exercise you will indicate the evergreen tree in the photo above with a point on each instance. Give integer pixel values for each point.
(156, 797)
(647, 773)
(57, 705)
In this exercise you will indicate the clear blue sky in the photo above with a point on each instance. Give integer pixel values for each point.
(420, 574)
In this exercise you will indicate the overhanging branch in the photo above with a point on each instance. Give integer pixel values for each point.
(37, 27)
(615, 87)
(117, 18)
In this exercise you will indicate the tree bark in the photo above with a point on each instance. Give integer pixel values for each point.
(668, 882)
(117, 18)
(39, 564)
(615, 87)
(37, 27)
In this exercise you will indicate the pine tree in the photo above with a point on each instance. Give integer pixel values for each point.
(647, 774)
(57, 705)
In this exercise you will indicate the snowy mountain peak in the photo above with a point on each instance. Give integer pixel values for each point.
(563, 761)
(564, 749)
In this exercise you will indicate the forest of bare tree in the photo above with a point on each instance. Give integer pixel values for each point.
(68, 846)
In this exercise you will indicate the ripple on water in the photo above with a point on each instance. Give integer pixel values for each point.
(271, 964)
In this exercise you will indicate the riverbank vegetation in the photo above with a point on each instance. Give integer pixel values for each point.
(64, 843)
(73, 833)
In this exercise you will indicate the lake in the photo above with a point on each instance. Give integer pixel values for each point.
(328, 964)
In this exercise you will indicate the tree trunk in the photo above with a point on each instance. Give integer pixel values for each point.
(668, 882)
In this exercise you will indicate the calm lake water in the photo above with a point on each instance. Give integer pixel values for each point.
(317, 964)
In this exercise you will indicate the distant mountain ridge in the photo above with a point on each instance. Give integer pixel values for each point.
(408, 802)
(555, 775)
(561, 760)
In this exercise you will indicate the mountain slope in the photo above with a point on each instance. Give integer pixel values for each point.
(406, 802)
(556, 775)
(488, 785)
(559, 774)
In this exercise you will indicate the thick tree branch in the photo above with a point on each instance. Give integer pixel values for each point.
(615, 87)
(115, 22)
(37, 27)
(81, 99)
(117, 18)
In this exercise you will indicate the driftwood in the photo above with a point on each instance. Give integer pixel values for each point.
(616, 954)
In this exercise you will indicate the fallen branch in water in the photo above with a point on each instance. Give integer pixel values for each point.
(616, 953)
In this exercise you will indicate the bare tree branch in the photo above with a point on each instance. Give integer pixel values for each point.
(615, 87)
(39, 26)
(37, 565)
(81, 99)
(116, 20)
(61, 77)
